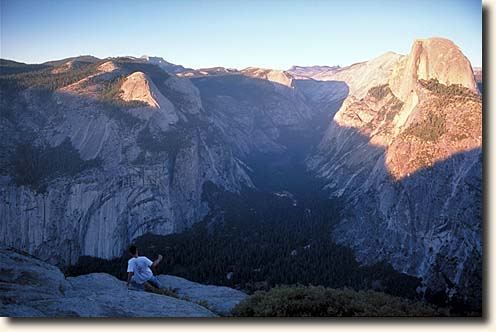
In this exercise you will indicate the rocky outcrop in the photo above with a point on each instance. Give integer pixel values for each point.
(165, 65)
(478, 74)
(276, 76)
(32, 288)
(138, 87)
(306, 72)
(212, 71)
(108, 66)
(360, 77)
(219, 299)
(252, 112)
(433, 58)
(406, 159)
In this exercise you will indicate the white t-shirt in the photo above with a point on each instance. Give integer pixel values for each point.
(141, 268)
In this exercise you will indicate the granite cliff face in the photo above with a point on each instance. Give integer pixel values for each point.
(434, 58)
(407, 159)
(121, 148)
(359, 77)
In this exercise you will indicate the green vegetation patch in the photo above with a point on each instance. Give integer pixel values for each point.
(156, 74)
(311, 301)
(111, 94)
(429, 129)
(44, 78)
(379, 92)
(35, 167)
(447, 90)
(161, 291)
(172, 141)
(8, 67)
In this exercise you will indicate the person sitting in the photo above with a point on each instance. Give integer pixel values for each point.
(139, 272)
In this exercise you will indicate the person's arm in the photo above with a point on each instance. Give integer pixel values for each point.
(157, 261)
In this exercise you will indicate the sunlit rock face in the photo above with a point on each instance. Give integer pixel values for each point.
(436, 58)
(409, 166)
(138, 87)
(359, 77)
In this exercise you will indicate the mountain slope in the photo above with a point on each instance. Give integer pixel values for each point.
(306, 72)
(122, 148)
(407, 159)
(359, 77)
(167, 66)
(142, 175)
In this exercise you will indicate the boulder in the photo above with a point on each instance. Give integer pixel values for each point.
(219, 299)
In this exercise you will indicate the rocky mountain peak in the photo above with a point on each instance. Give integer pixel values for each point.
(432, 58)
(108, 66)
(362, 76)
(165, 65)
(276, 76)
(407, 158)
(137, 87)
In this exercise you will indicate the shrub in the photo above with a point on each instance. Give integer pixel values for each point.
(36, 166)
(447, 90)
(379, 92)
(204, 304)
(311, 301)
(161, 291)
(44, 78)
(429, 129)
(172, 141)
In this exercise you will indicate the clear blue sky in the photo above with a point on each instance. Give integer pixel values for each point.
(271, 34)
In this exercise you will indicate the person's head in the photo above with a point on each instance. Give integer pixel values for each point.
(133, 251)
